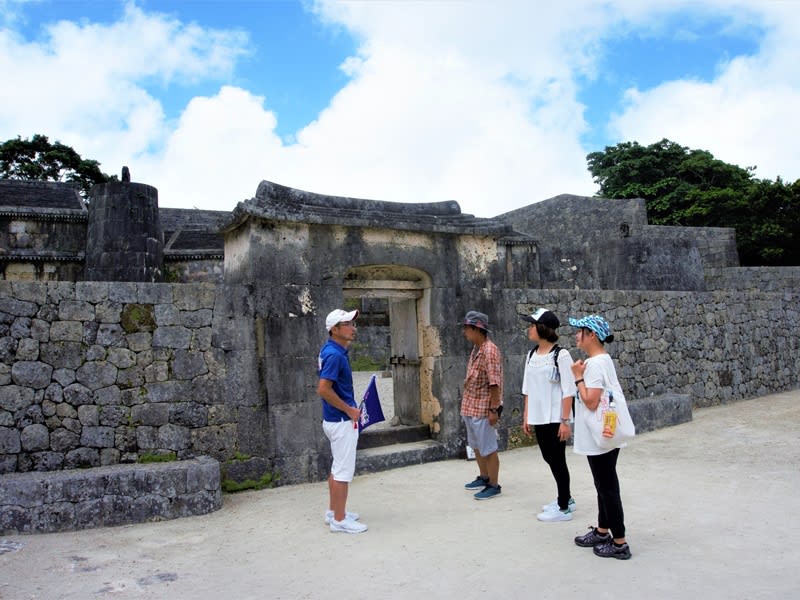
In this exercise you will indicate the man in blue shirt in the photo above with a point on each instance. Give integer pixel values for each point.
(340, 416)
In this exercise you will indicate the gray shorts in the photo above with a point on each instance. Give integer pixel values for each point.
(481, 436)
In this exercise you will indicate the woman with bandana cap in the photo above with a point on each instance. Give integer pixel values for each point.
(593, 376)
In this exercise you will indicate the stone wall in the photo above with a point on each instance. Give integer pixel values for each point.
(716, 347)
(96, 374)
(755, 279)
(617, 249)
(38, 502)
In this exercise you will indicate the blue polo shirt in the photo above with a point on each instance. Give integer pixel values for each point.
(334, 365)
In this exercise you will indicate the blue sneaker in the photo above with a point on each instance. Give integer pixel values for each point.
(490, 491)
(477, 484)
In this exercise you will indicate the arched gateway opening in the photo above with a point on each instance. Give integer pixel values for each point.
(406, 292)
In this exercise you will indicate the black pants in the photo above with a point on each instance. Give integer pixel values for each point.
(609, 503)
(554, 454)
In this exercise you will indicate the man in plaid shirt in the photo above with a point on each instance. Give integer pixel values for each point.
(481, 403)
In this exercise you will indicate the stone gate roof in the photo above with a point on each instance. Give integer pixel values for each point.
(192, 233)
(276, 202)
(41, 200)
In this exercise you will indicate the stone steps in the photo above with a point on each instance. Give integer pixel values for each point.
(400, 434)
(382, 458)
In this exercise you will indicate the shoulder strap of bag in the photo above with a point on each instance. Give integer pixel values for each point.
(555, 351)
(530, 352)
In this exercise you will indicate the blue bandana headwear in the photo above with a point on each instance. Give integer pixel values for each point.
(595, 323)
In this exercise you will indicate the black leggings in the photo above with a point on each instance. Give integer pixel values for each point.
(554, 454)
(609, 503)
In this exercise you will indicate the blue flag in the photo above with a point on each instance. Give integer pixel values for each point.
(371, 411)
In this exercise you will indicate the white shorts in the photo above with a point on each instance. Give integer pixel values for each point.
(344, 439)
(481, 436)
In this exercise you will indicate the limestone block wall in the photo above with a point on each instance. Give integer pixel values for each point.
(38, 502)
(716, 347)
(95, 373)
(753, 279)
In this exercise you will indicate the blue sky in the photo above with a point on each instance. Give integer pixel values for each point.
(494, 105)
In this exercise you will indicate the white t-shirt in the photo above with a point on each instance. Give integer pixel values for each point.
(544, 395)
(599, 373)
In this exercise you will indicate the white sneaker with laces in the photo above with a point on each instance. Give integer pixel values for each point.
(554, 506)
(555, 515)
(347, 526)
(353, 516)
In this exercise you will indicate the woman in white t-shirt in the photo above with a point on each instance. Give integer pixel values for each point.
(592, 377)
(549, 389)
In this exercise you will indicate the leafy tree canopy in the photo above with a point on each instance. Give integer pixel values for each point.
(37, 159)
(692, 188)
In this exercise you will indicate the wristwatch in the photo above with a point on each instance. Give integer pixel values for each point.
(565, 421)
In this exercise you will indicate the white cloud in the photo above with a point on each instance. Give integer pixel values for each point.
(85, 84)
(460, 101)
(746, 116)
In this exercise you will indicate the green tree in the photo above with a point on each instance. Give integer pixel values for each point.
(37, 159)
(692, 188)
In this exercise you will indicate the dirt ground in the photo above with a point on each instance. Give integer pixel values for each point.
(711, 510)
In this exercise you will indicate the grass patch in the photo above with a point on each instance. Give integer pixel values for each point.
(365, 363)
(231, 487)
(518, 439)
(149, 457)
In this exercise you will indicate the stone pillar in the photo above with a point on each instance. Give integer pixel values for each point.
(124, 241)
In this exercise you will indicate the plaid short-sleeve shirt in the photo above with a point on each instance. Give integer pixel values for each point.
(484, 369)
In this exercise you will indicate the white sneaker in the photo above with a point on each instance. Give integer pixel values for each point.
(347, 526)
(554, 505)
(555, 515)
(347, 515)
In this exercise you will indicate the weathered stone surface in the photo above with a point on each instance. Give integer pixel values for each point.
(31, 374)
(62, 355)
(66, 331)
(14, 397)
(197, 318)
(62, 440)
(89, 415)
(110, 334)
(82, 458)
(169, 391)
(188, 364)
(77, 394)
(109, 495)
(97, 437)
(166, 315)
(172, 337)
(174, 437)
(108, 312)
(9, 441)
(188, 414)
(134, 376)
(150, 414)
(35, 437)
(18, 308)
(122, 358)
(112, 416)
(108, 396)
(27, 349)
(8, 349)
(76, 310)
(97, 374)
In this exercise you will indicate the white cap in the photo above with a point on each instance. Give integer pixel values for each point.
(337, 316)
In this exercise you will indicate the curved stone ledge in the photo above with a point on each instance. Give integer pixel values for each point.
(663, 410)
(45, 502)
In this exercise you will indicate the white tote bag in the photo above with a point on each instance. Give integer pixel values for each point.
(624, 429)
